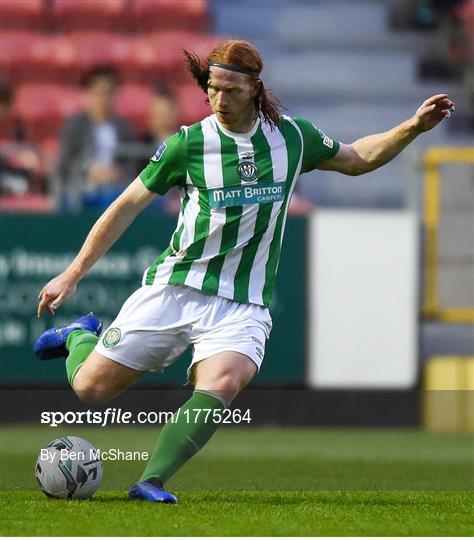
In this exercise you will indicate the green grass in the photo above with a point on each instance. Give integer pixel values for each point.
(257, 481)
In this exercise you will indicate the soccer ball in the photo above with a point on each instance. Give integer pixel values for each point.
(69, 468)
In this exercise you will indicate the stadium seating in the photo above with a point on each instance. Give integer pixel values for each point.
(146, 58)
(166, 14)
(81, 15)
(17, 54)
(133, 102)
(141, 63)
(169, 47)
(47, 47)
(158, 57)
(173, 43)
(192, 104)
(43, 107)
(23, 14)
(29, 57)
(94, 48)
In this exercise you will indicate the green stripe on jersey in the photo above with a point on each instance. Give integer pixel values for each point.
(176, 238)
(263, 160)
(201, 228)
(173, 247)
(233, 249)
(233, 214)
(294, 150)
(151, 273)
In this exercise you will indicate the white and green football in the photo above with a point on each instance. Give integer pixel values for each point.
(69, 468)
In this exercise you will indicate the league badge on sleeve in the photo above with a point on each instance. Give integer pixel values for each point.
(327, 141)
(159, 152)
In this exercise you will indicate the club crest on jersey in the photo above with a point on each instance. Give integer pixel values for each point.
(247, 171)
(111, 337)
(159, 152)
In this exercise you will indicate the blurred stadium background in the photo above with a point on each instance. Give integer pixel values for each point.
(374, 307)
(376, 289)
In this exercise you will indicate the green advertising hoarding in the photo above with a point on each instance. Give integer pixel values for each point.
(33, 249)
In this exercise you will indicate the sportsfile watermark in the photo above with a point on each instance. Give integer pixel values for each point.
(118, 416)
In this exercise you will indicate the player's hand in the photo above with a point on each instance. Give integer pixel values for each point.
(432, 111)
(54, 293)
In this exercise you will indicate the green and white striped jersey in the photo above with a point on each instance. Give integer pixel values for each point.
(235, 190)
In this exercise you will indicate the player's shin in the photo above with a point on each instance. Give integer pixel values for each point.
(190, 429)
(80, 344)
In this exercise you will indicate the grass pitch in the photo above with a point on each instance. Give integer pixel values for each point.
(257, 482)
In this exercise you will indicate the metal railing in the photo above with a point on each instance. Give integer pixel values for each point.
(434, 158)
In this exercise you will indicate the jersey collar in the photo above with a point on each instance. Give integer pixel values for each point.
(234, 135)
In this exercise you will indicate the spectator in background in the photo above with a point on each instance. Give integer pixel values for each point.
(91, 168)
(162, 122)
(10, 125)
(21, 170)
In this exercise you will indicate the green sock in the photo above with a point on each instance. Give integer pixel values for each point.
(185, 435)
(80, 344)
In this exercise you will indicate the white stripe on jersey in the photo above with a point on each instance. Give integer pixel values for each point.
(213, 176)
(246, 230)
(164, 270)
(293, 182)
(280, 170)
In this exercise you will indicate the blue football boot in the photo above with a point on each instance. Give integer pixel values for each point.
(52, 343)
(152, 490)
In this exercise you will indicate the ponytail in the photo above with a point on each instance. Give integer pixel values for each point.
(199, 72)
(268, 106)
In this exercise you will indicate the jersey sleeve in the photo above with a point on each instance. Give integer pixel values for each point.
(317, 146)
(167, 168)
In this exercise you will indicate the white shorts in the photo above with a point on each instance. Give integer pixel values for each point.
(157, 323)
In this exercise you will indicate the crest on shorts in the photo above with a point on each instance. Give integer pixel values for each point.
(111, 337)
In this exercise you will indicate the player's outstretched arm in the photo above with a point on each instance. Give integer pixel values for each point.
(370, 153)
(106, 231)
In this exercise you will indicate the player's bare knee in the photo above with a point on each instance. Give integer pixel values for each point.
(226, 381)
(92, 396)
(90, 391)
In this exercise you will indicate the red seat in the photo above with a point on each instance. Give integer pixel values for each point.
(160, 54)
(192, 104)
(22, 14)
(134, 101)
(170, 14)
(43, 108)
(93, 48)
(90, 15)
(144, 62)
(60, 64)
(28, 57)
(15, 54)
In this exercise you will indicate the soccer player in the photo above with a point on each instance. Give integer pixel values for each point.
(212, 287)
